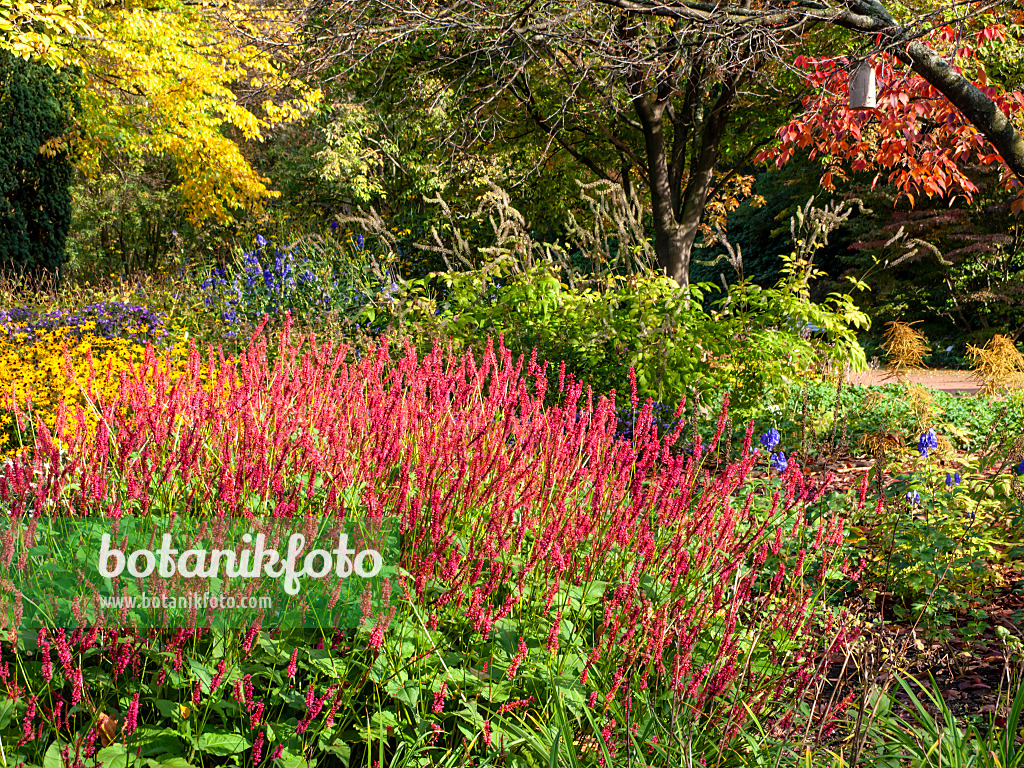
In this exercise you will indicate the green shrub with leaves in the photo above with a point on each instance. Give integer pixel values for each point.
(746, 343)
(621, 314)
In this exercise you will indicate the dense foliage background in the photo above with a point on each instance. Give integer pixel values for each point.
(570, 294)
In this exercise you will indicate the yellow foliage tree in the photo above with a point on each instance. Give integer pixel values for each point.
(40, 30)
(183, 80)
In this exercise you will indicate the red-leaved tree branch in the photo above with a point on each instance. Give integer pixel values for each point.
(932, 123)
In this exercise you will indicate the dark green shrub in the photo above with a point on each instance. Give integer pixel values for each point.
(37, 113)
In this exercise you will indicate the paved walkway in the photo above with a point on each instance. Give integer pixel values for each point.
(947, 381)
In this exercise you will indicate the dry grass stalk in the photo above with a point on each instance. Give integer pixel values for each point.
(922, 404)
(882, 445)
(999, 364)
(905, 348)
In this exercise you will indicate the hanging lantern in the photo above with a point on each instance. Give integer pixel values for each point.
(862, 86)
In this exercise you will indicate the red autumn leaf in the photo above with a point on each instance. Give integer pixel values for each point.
(915, 133)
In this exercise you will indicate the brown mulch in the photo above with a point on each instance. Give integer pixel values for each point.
(972, 676)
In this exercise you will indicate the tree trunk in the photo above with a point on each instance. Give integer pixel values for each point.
(668, 240)
(677, 215)
(672, 245)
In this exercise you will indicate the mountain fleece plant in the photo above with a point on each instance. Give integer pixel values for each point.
(550, 571)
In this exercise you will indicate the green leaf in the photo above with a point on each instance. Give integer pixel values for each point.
(204, 675)
(405, 691)
(219, 743)
(383, 720)
(6, 712)
(52, 757)
(169, 709)
(290, 760)
(553, 757)
(322, 661)
(114, 756)
(157, 741)
(169, 762)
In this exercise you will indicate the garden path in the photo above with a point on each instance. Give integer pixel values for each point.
(945, 380)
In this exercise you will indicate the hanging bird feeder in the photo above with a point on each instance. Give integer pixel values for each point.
(862, 86)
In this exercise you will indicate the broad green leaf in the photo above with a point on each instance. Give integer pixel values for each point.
(114, 756)
(223, 743)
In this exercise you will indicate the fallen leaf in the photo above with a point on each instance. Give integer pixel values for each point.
(107, 726)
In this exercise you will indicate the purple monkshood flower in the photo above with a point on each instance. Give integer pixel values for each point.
(914, 497)
(359, 242)
(1020, 468)
(261, 240)
(952, 480)
(927, 440)
(771, 438)
(335, 226)
(779, 461)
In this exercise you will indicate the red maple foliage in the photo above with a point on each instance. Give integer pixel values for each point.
(915, 133)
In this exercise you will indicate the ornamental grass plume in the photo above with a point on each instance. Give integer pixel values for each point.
(665, 580)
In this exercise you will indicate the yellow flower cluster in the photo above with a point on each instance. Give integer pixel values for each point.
(57, 366)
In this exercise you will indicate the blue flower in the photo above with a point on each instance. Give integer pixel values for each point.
(1020, 468)
(952, 480)
(779, 461)
(914, 497)
(926, 441)
(359, 242)
(771, 438)
(261, 240)
(334, 226)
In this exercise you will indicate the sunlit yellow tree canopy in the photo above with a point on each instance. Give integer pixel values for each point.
(184, 81)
